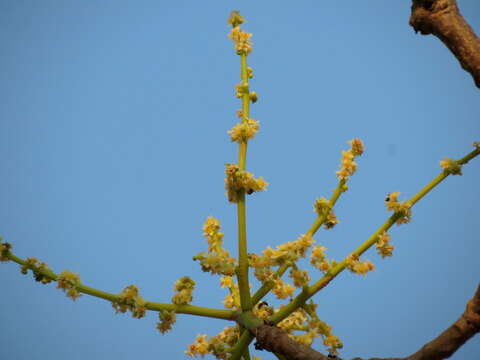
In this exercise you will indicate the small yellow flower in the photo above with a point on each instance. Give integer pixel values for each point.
(451, 166)
(226, 281)
(357, 146)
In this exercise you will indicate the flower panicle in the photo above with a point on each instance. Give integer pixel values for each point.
(241, 39)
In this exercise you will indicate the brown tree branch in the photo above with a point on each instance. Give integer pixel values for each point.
(276, 340)
(442, 18)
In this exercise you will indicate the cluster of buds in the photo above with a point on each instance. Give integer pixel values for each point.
(5, 251)
(296, 320)
(290, 251)
(322, 329)
(358, 267)
(68, 282)
(319, 260)
(199, 347)
(183, 291)
(384, 248)
(401, 209)
(323, 207)
(167, 319)
(217, 260)
(243, 45)
(244, 131)
(231, 301)
(218, 345)
(130, 299)
(262, 310)
(300, 277)
(348, 166)
(262, 265)
(282, 289)
(38, 270)
(237, 180)
(451, 166)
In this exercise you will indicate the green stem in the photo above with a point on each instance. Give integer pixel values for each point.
(242, 273)
(239, 348)
(150, 305)
(320, 284)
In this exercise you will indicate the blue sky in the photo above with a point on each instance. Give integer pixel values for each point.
(113, 140)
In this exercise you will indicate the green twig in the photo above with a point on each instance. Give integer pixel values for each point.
(150, 305)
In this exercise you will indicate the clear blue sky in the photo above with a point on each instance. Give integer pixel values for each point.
(113, 140)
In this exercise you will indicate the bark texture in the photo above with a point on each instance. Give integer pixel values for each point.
(442, 18)
(275, 340)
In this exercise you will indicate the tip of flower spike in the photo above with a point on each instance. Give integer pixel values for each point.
(235, 18)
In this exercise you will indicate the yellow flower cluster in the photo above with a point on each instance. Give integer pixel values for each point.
(241, 89)
(217, 260)
(167, 319)
(235, 18)
(358, 267)
(318, 259)
(243, 45)
(384, 248)
(244, 131)
(322, 206)
(199, 347)
(300, 277)
(218, 345)
(184, 288)
(68, 282)
(290, 251)
(357, 147)
(262, 265)
(348, 166)
(282, 289)
(36, 266)
(5, 250)
(403, 209)
(211, 231)
(237, 180)
(451, 166)
(233, 300)
(294, 321)
(262, 310)
(130, 299)
(333, 343)
(331, 220)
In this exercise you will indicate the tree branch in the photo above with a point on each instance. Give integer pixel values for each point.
(442, 18)
(276, 340)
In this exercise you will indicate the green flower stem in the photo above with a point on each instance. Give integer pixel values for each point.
(321, 218)
(266, 287)
(320, 284)
(242, 273)
(154, 306)
(239, 348)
